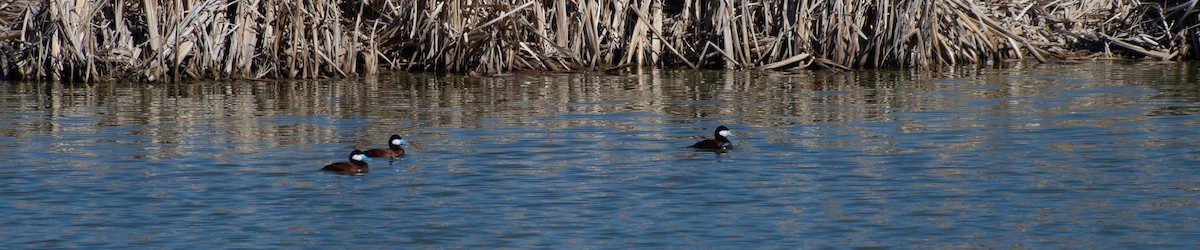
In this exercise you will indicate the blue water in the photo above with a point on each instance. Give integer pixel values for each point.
(1095, 155)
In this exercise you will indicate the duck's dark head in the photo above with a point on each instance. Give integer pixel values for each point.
(358, 156)
(721, 133)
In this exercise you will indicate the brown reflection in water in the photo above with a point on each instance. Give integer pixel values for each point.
(758, 98)
(171, 112)
(306, 111)
(1177, 82)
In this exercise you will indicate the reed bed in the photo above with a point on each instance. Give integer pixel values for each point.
(154, 40)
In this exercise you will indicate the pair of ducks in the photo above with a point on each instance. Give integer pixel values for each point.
(358, 163)
(358, 158)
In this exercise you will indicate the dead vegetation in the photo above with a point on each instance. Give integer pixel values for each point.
(154, 40)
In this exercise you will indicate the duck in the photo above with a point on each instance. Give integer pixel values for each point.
(720, 143)
(393, 151)
(356, 165)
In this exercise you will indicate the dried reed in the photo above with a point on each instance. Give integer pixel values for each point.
(152, 40)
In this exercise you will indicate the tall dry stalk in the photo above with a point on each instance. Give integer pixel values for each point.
(153, 40)
(206, 39)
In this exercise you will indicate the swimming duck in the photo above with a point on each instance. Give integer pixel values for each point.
(393, 151)
(720, 143)
(357, 164)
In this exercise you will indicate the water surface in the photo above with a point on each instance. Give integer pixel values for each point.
(1095, 155)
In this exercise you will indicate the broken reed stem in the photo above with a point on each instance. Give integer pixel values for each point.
(150, 40)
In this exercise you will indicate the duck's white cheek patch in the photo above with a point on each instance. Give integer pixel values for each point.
(359, 157)
(725, 133)
(397, 142)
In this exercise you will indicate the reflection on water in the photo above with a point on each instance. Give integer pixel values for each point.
(1045, 156)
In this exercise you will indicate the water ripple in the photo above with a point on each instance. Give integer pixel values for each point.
(1045, 156)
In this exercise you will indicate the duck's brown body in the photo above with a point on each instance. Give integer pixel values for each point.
(393, 151)
(720, 143)
(354, 166)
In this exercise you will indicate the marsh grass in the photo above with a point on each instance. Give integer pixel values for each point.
(154, 40)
